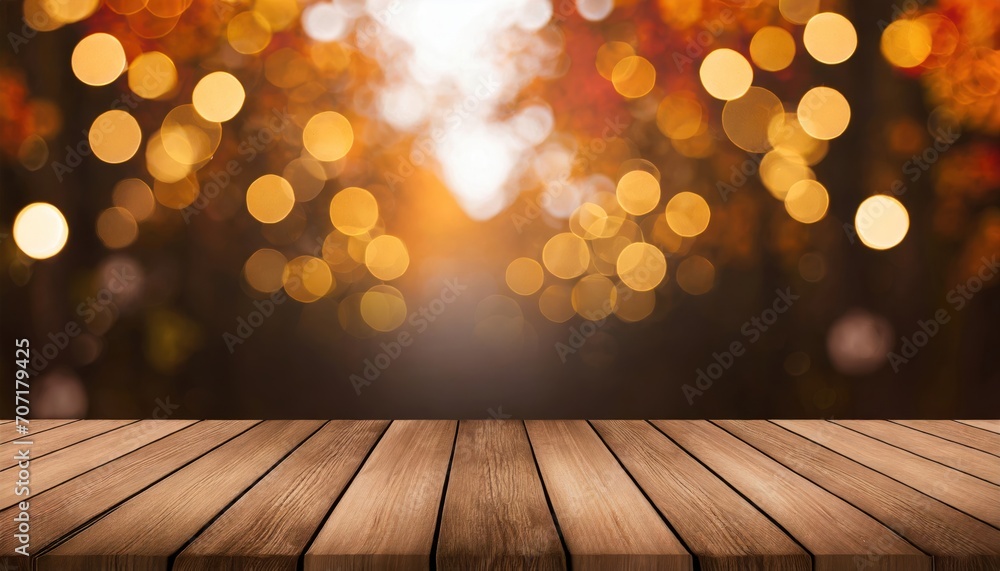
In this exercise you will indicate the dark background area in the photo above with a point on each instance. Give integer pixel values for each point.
(163, 342)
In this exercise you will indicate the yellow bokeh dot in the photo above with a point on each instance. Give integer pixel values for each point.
(906, 43)
(746, 120)
(218, 96)
(178, 194)
(772, 48)
(98, 59)
(353, 211)
(328, 136)
(633, 77)
(641, 266)
(726, 74)
(807, 201)
(594, 297)
(135, 196)
(307, 279)
(824, 113)
(188, 137)
(116, 227)
(264, 270)
(386, 257)
(696, 275)
(383, 308)
(633, 305)
(830, 38)
(152, 75)
(40, 230)
(114, 136)
(688, 214)
(608, 56)
(524, 276)
(566, 255)
(248, 32)
(679, 115)
(555, 303)
(881, 222)
(638, 192)
(798, 11)
(270, 198)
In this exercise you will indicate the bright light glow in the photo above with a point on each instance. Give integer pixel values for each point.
(40, 230)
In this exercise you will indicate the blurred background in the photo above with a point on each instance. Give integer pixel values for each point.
(589, 208)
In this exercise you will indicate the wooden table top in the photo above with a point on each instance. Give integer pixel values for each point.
(503, 494)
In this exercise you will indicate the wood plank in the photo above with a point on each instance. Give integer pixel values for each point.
(62, 465)
(388, 515)
(495, 515)
(270, 526)
(72, 504)
(836, 533)
(957, 432)
(605, 520)
(146, 530)
(973, 496)
(34, 426)
(59, 438)
(685, 491)
(954, 539)
(990, 425)
(957, 456)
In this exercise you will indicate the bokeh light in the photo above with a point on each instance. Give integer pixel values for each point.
(98, 59)
(524, 276)
(218, 96)
(688, 214)
(725, 74)
(830, 38)
(115, 136)
(881, 222)
(328, 136)
(353, 211)
(40, 230)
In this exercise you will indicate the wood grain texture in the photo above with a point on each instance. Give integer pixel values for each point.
(606, 521)
(990, 425)
(968, 460)
(954, 539)
(685, 491)
(55, 468)
(957, 432)
(971, 495)
(72, 504)
(9, 433)
(495, 514)
(836, 533)
(145, 531)
(387, 517)
(59, 438)
(269, 527)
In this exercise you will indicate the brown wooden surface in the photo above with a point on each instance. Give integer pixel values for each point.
(956, 540)
(482, 495)
(69, 506)
(10, 433)
(495, 514)
(684, 490)
(387, 517)
(146, 530)
(990, 425)
(605, 520)
(967, 493)
(271, 525)
(57, 467)
(958, 456)
(957, 432)
(796, 504)
(58, 438)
